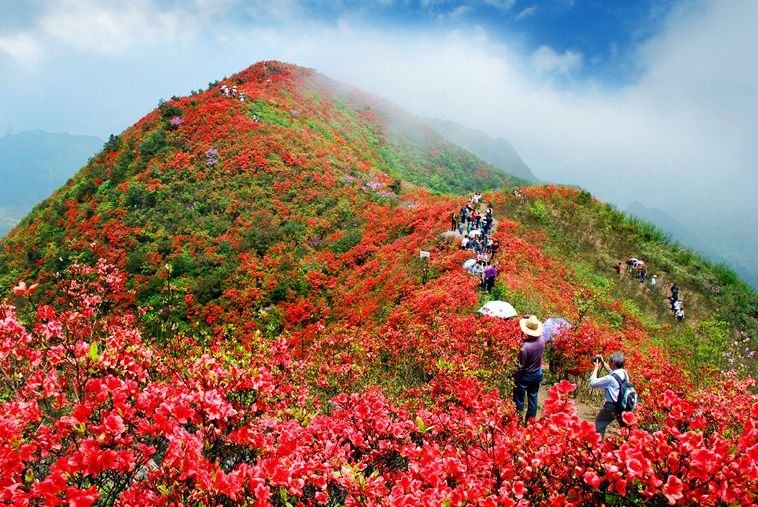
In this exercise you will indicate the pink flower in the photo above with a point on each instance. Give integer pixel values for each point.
(114, 424)
(673, 489)
(22, 290)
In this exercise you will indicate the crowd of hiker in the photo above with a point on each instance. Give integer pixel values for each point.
(638, 269)
(677, 304)
(475, 229)
(232, 92)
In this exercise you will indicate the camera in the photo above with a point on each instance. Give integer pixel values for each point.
(597, 359)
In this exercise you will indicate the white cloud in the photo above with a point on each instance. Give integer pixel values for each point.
(21, 46)
(547, 61)
(527, 12)
(112, 27)
(502, 5)
(107, 27)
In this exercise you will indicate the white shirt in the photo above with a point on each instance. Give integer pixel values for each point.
(609, 384)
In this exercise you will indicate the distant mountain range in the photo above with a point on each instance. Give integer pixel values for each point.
(498, 151)
(33, 163)
(730, 239)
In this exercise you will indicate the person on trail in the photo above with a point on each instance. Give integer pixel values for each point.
(680, 314)
(464, 242)
(487, 224)
(494, 247)
(643, 275)
(478, 269)
(453, 221)
(674, 298)
(653, 281)
(528, 377)
(611, 386)
(618, 268)
(489, 278)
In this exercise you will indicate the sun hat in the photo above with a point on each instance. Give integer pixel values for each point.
(532, 326)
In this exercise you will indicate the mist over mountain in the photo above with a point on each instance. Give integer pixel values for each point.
(33, 163)
(497, 151)
(727, 239)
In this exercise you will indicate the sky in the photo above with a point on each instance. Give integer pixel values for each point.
(636, 100)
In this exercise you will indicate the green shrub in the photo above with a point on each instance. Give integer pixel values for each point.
(260, 237)
(208, 287)
(112, 144)
(153, 143)
(269, 114)
(584, 197)
(350, 238)
(169, 111)
(538, 212)
(137, 262)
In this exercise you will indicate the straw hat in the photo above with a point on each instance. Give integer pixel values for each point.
(532, 326)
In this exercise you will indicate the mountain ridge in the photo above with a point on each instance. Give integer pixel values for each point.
(498, 152)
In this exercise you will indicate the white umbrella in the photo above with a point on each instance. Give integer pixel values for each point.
(475, 232)
(469, 264)
(499, 309)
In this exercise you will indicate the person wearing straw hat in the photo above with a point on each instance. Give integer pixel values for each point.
(528, 377)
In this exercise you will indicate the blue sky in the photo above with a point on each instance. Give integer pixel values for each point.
(605, 33)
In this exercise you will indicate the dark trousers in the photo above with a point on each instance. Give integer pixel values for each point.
(527, 385)
(605, 417)
(489, 283)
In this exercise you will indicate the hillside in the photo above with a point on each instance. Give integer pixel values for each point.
(33, 164)
(498, 152)
(232, 309)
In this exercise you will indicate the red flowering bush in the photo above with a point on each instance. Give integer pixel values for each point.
(95, 414)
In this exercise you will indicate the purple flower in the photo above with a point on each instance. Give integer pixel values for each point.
(176, 121)
(211, 157)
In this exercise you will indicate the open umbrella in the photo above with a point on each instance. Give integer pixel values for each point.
(553, 326)
(475, 232)
(499, 309)
(469, 264)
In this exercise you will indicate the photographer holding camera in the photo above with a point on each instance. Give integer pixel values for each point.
(611, 386)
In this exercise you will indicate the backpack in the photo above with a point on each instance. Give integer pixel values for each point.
(627, 398)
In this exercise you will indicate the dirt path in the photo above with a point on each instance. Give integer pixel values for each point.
(585, 411)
